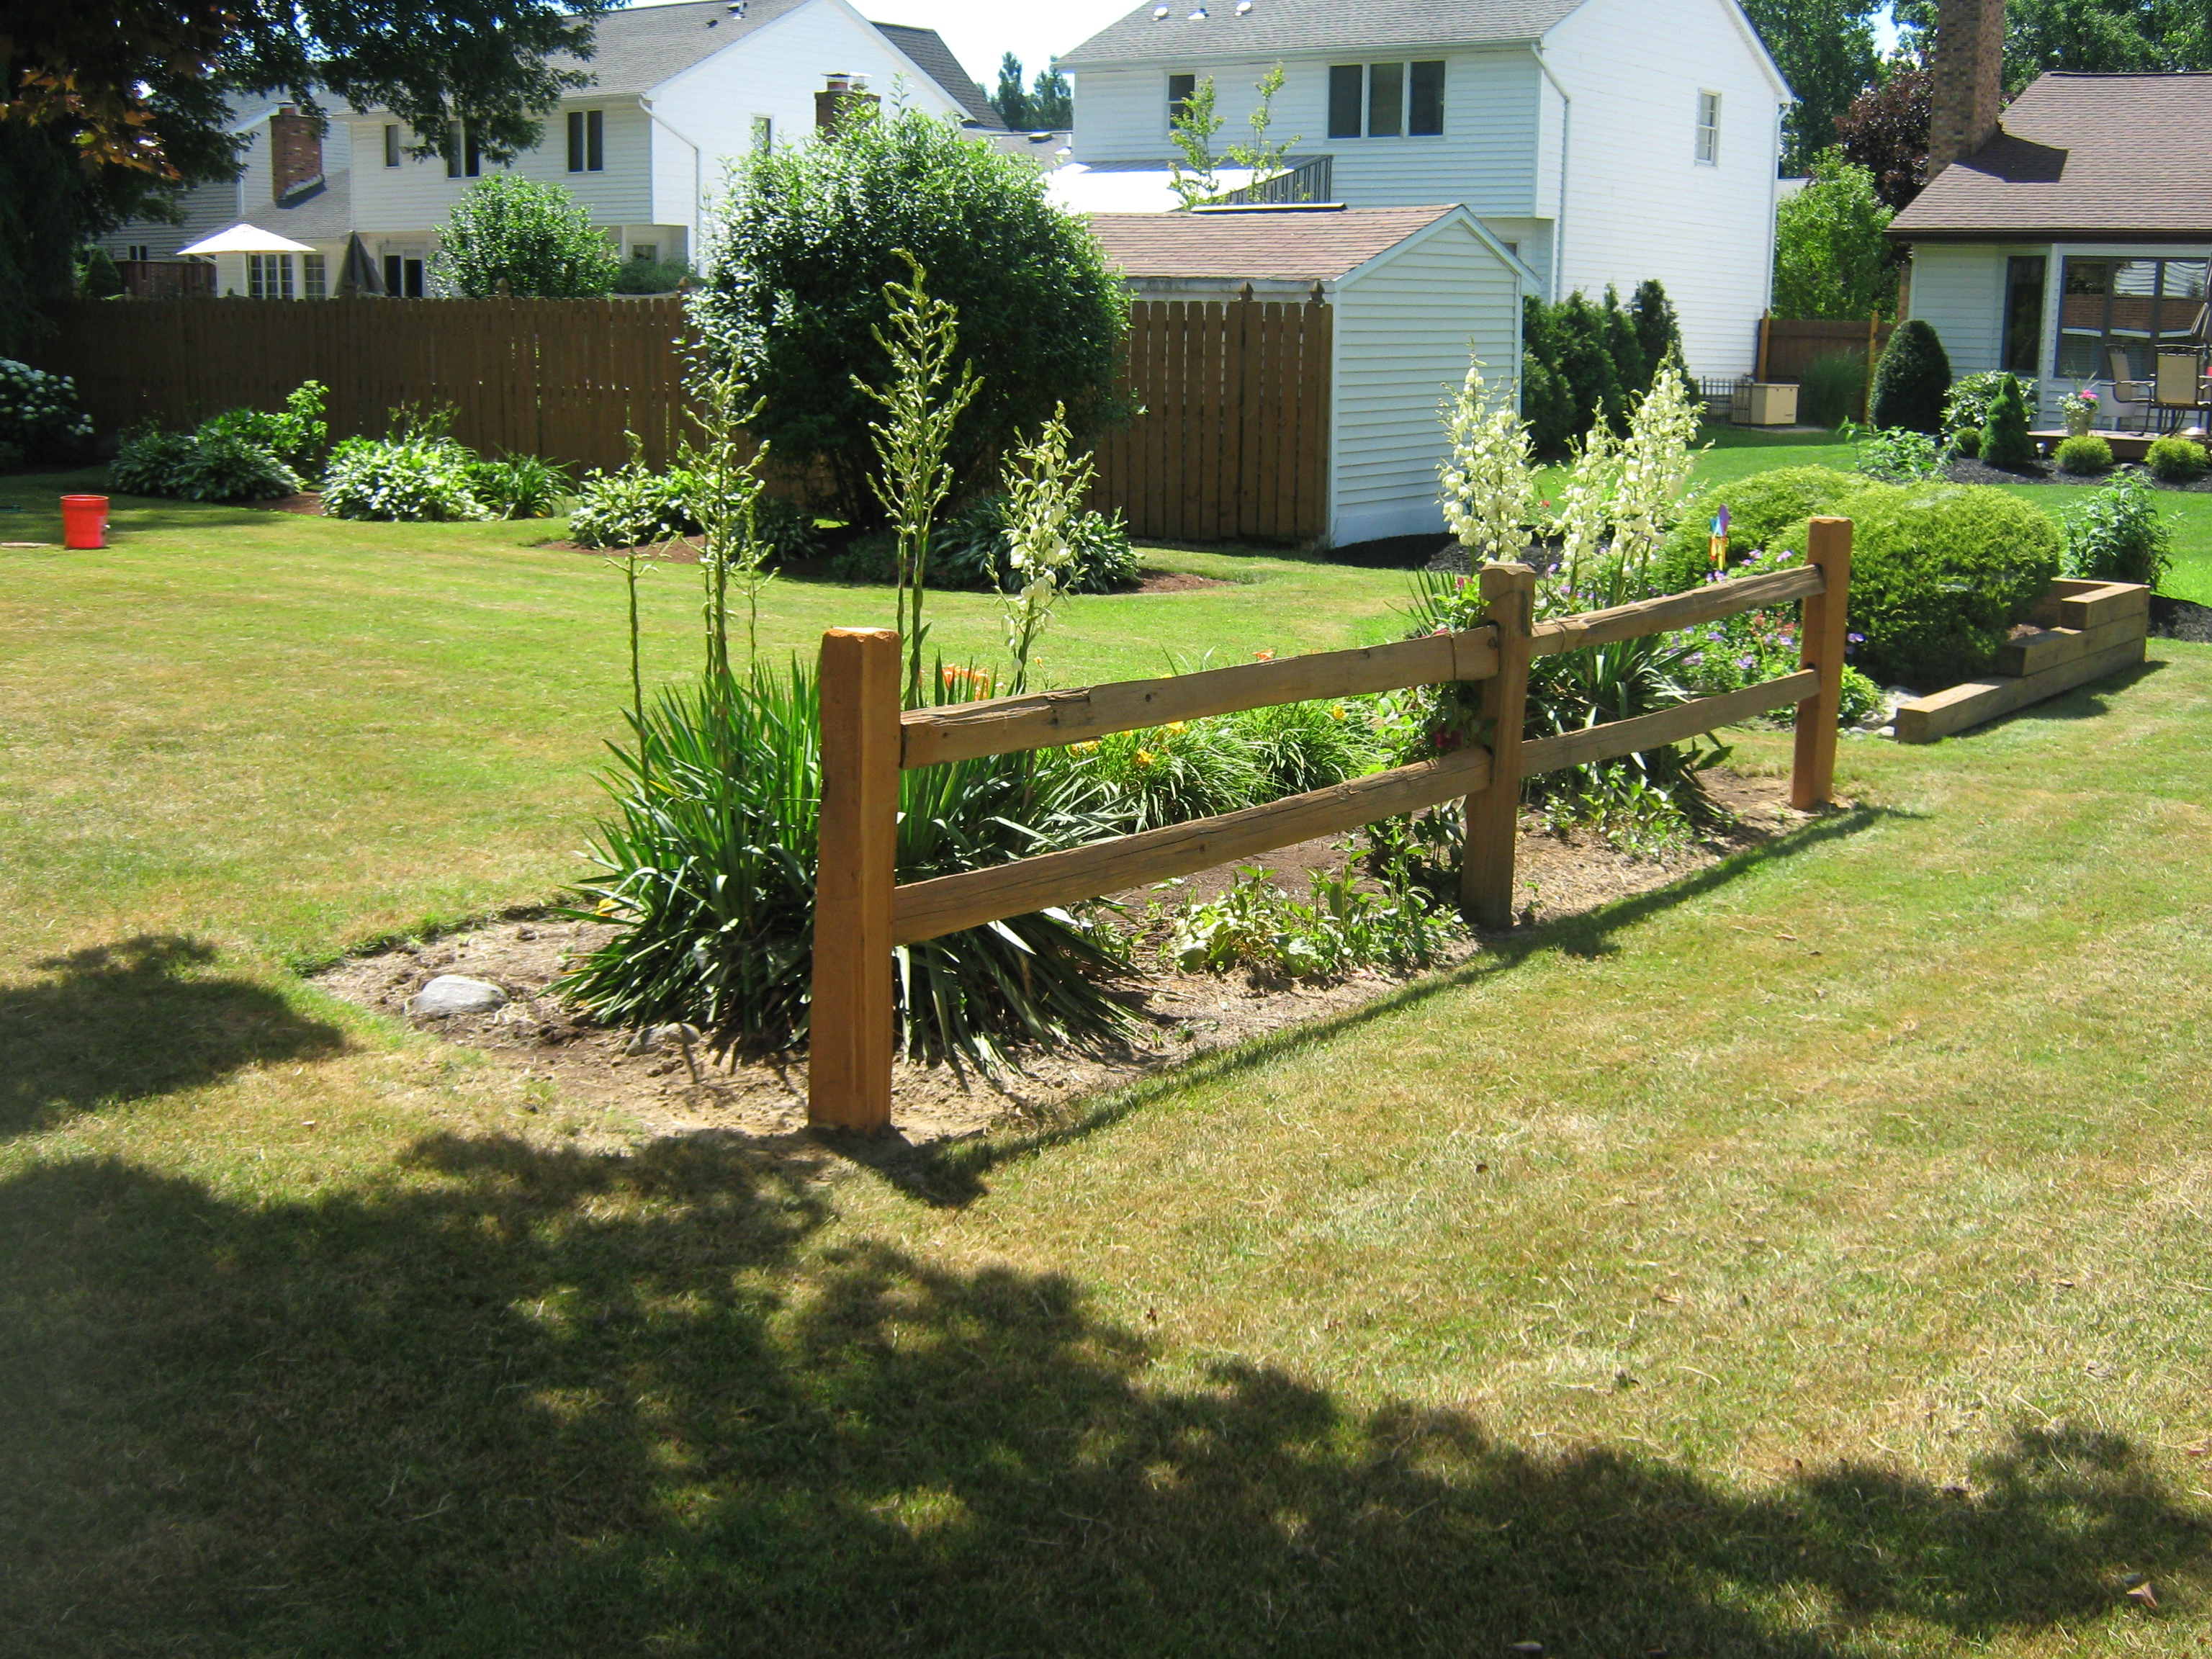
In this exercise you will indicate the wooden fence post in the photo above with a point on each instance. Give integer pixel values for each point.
(1821, 628)
(848, 1081)
(1493, 815)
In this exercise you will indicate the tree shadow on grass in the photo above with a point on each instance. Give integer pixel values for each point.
(523, 1401)
(121, 1022)
(952, 1174)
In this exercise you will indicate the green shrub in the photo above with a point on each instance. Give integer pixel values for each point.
(1338, 927)
(973, 551)
(2086, 454)
(1967, 441)
(786, 527)
(707, 868)
(1760, 507)
(528, 240)
(1829, 391)
(635, 507)
(1899, 455)
(1967, 409)
(222, 467)
(150, 463)
(297, 434)
(651, 275)
(1300, 746)
(1939, 576)
(2175, 460)
(1910, 380)
(2005, 442)
(1171, 773)
(38, 412)
(415, 477)
(2118, 536)
(1753, 647)
(518, 487)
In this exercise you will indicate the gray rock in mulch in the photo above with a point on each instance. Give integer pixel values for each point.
(452, 993)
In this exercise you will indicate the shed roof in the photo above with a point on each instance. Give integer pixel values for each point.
(2090, 156)
(1283, 245)
(1215, 29)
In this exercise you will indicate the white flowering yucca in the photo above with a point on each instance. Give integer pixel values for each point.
(1489, 485)
(1653, 467)
(1044, 493)
(37, 409)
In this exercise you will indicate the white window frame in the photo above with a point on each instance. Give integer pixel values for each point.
(268, 271)
(315, 276)
(764, 134)
(1708, 151)
(392, 149)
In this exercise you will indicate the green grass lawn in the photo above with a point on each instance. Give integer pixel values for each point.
(1806, 1260)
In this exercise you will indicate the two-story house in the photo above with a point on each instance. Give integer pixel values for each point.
(676, 93)
(1601, 141)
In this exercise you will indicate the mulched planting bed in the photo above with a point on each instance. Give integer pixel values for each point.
(1968, 471)
(644, 1084)
(686, 551)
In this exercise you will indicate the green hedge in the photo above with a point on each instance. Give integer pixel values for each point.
(1761, 507)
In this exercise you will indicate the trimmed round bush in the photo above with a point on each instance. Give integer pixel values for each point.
(1910, 380)
(2086, 455)
(415, 479)
(1760, 507)
(1968, 442)
(2175, 460)
(2005, 442)
(1939, 576)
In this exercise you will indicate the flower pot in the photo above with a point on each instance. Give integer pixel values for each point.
(2081, 416)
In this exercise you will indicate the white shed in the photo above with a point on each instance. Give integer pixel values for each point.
(1410, 292)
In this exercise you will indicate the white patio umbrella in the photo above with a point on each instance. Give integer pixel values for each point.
(248, 238)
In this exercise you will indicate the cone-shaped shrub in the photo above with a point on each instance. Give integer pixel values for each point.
(1909, 381)
(2005, 441)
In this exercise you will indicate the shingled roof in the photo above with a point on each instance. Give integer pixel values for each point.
(1295, 246)
(1290, 26)
(2089, 156)
(927, 48)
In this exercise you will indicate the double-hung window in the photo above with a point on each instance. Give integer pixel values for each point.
(587, 140)
(1180, 90)
(463, 158)
(1709, 129)
(1386, 101)
(392, 146)
(268, 275)
(315, 276)
(764, 134)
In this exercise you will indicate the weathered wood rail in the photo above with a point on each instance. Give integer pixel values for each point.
(861, 914)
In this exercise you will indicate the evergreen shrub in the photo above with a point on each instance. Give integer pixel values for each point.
(1910, 380)
(2175, 460)
(2005, 442)
(1760, 508)
(2083, 456)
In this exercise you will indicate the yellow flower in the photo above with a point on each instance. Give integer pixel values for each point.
(606, 906)
(1177, 726)
(1143, 758)
(1337, 713)
(1090, 748)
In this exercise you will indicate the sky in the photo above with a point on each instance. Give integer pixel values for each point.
(981, 31)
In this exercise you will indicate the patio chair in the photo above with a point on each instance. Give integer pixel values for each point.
(2180, 386)
(2128, 391)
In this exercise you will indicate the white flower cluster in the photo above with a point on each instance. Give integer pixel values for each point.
(1489, 485)
(37, 409)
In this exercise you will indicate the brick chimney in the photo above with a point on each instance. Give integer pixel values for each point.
(1969, 79)
(841, 92)
(295, 152)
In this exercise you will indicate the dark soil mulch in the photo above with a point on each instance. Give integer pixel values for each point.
(1968, 471)
(1394, 552)
(310, 503)
(2180, 619)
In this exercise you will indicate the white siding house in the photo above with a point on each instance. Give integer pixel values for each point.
(1413, 292)
(1602, 141)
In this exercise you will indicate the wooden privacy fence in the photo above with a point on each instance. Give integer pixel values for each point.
(1788, 347)
(564, 379)
(1231, 443)
(861, 914)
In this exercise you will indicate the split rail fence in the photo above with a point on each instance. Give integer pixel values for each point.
(862, 913)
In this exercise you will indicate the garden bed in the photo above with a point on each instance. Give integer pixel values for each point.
(1967, 471)
(1180, 1015)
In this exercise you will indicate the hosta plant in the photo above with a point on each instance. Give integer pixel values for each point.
(414, 478)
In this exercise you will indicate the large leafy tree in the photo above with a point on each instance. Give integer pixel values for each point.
(1886, 131)
(807, 239)
(1051, 101)
(1009, 99)
(1831, 258)
(2088, 37)
(108, 110)
(1825, 51)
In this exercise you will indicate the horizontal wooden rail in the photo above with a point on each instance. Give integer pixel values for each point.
(1632, 737)
(924, 909)
(1662, 616)
(1002, 725)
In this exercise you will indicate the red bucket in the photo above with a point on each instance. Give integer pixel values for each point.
(84, 521)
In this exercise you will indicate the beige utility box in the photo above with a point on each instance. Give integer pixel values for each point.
(1764, 402)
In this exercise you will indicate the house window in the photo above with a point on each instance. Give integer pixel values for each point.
(2125, 309)
(391, 147)
(1180, 89)
(764, 135)
(315, 276)
(587, 140)
(139, 252)
(403, 275)
(1709, 129)
(464, 160)
(646, 253)
(2023, 314)
(1386, 101)
(268, 275)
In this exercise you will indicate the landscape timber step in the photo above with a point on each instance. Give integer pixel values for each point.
(2086, 630)
(2053, 647)
(2085, 604)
